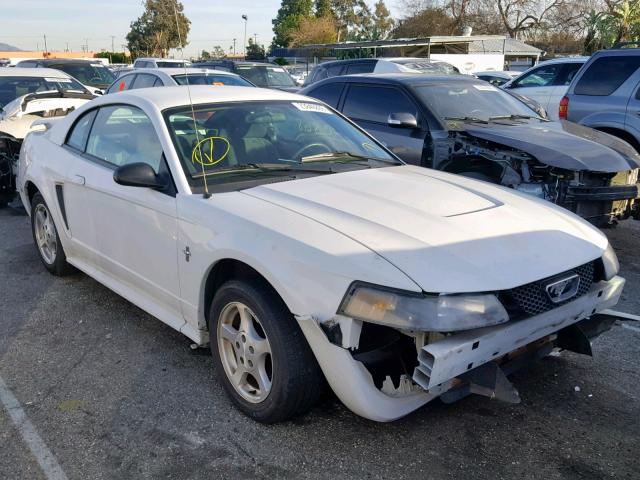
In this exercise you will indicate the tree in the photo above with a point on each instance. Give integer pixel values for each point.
(353, 17)
(204, 55)
(254, 51)
(288, 19)
(323, 8)
(314, 30)
(218, 52)
(162, 26)
(382, 23)
(424, 23)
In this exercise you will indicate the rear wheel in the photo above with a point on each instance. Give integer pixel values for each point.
(260, 353)
(46, 238)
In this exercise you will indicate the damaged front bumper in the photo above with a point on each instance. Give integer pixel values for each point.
(472, 361)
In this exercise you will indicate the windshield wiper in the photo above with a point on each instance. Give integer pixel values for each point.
(467, 119)
(322, 157)
(511, 117)
(261, 168)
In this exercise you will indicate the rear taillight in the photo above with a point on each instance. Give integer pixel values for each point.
(563, 112)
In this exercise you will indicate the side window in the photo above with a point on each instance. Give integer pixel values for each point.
(158, 83)
(80, 131)
(543, 76)
(329, 93)
(143, 80)
(360, 67)
(334, 70)
(123, 134)
(121, 84)
(568, 72)
(638, 94)
(320, 74)
(605, 75)
(388, 100)
(27, 64)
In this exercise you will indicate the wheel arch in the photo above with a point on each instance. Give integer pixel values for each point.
(226, 269)
(31, 190)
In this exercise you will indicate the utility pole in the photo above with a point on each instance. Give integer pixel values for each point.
(234, 47)
(45, 44)
(112, 47)
(244, 45)
(67, 49)
(255, 39)
(86, 45)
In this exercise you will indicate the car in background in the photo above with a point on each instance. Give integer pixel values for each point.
(298, 72)
(265, 75)
(92, 74)
(497, 78)
(379, 65)
(272, 229)
(461, 124)
(29, 96)
(547, 82)
(605, 94)
(170, 77)
(150, 62)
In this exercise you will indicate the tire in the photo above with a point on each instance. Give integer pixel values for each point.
(44, 231)
(296, 381)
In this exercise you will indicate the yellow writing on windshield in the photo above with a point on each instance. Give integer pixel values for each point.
(210, 151)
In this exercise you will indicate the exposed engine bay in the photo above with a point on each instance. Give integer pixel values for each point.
(600, 197)
(9, 153)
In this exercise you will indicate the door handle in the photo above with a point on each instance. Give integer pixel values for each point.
(78, 179)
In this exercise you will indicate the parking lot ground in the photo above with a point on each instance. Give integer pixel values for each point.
(116, 394)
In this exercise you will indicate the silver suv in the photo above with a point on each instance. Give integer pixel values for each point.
(605, 94)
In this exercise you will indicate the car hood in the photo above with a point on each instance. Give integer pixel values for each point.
(561, 144)
(445, 232)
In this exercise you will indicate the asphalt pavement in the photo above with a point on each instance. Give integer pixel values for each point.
(111, 393)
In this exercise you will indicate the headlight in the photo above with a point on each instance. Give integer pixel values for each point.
(439, 313)
(610, 262)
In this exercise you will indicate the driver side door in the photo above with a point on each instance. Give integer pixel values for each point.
(130, 231)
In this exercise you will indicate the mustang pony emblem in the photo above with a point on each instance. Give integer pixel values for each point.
(563, 289)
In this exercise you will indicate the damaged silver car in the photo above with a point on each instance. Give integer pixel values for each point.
(463, 125)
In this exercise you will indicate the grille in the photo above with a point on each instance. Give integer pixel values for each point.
(532, 299)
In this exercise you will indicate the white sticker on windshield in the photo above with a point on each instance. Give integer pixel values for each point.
(485, 88)
(96, 65)
(57, 80)
(277, 69)
(311, 107)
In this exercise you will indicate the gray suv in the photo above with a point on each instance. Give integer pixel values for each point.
(605, 94)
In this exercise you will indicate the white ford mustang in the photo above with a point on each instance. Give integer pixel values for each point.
(300, 249)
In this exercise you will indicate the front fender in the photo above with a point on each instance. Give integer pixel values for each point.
(309, 264)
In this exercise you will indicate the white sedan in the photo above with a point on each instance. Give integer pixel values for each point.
(273, 229)
(170, 77)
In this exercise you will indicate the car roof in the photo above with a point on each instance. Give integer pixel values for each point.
(32, 72)
(578, 59)
(168, 97)
(179, 71)
(159, 59)
(48, 61)
(399, 78)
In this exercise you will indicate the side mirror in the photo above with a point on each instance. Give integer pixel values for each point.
(402, 120)
(138, 175)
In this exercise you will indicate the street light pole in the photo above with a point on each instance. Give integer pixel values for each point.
(244, 45)
(234, 47)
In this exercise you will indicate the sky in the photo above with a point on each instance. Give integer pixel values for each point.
(24, 23)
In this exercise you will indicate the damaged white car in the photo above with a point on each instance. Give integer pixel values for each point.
(27, 96)
(273, 229)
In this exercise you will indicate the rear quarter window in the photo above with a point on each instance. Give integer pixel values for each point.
(606, 74)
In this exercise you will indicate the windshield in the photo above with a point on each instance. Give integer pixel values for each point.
(92, 74)
(266, 75)
(457, 101)
(166, 64)
(211, 79)
(265, 138)
(14, 87)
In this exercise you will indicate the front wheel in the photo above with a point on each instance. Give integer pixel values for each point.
(260, 353)
(46, 238)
